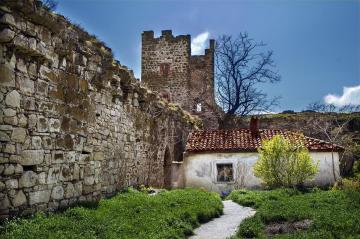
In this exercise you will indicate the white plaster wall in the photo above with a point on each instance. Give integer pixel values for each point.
(200, 170)
(327, 168)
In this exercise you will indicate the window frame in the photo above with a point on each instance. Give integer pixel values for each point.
(216, 164)
(165, 69)
(198, 107)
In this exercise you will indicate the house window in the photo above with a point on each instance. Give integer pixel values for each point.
(198, 107)
(165, 69)
(225, 172)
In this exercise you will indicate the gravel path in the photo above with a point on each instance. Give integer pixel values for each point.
(226, 225)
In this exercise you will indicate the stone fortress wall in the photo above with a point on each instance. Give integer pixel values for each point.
(75, 125)
(168, 67)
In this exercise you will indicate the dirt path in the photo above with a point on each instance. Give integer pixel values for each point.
(226, 225)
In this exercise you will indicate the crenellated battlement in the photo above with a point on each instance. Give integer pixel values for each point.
(165, 35)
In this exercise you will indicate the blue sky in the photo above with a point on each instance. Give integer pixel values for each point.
(316, 44)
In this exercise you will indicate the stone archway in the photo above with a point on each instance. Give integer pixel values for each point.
(167, 169)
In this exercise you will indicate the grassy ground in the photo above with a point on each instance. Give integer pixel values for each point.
(335, 214)
(132, 215)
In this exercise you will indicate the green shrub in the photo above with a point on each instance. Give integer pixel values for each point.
(284, 163)
(133, 214)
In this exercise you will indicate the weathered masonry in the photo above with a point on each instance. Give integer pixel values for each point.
(75, 125)
(168, 67)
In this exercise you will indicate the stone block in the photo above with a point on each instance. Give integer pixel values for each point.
(18, 135)
(4, 137)
(28, 179)
(6, 35)
(18, 169)
(42, 87)
(89, 180)
(42, 178)
(7, 75)
(15, 159)
(4, 201)
(21, 66)
(29, 104)
(46, 73)
(11, 120)
(10, 149)
(32, 121)
(20, 41)
(76, 172)
(8, 19)
(99, 156)
(22, 120)
(12, 99)
(32, 157)
(78, 189)
(43, 124)
(36, 142)
(64, 203)
(9, 112)
(53, 206)
(54, 125)
(6, 127)
(53, 175)
(70, 156)
(32, 43)
(32, 69)
(19, 199)
(12, 184)
(88, 189)
(47, 142)
(58, 157)
(57, 193)
(39, 197)
(66, 174)
(26, 85)
(89, 170)
(70, 191)
(47, 159)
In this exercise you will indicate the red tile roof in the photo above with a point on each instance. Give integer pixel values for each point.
(242, 140)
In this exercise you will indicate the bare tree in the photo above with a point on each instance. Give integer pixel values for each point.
(240, 67)
(243, 171)
(331, 123)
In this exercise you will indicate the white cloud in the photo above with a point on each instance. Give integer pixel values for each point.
(198, 44)
(350, 96)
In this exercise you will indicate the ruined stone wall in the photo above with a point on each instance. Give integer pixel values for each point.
(74, 124)
(202, 87)
(168, 67)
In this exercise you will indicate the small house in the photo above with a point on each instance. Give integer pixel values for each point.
(221, 160)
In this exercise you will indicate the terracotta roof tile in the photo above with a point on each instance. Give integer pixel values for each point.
(243, 140)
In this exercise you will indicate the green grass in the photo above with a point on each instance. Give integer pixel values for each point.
(171, 214)
(335, 214)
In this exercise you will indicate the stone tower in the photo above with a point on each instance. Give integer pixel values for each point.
(168, 67)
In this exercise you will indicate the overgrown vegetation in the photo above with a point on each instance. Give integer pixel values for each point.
(49, 5)
(133, 214)
(334, 213)
(284, 163)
